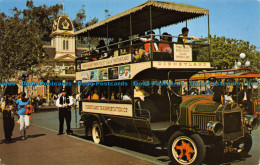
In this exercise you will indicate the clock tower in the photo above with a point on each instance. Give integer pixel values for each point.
(63, 38)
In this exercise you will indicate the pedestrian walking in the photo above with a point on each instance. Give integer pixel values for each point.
(8, 118)
(24, 119)
(64, 102)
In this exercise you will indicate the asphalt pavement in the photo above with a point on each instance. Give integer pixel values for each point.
(44, 147)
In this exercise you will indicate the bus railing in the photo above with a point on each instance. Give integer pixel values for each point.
(143, 113)
(150, 50)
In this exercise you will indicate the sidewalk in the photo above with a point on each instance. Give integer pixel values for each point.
(44, 147)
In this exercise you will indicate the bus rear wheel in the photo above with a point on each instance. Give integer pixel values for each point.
(97, 133)
(183, 149)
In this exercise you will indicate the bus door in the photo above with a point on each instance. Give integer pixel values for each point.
(122, 126)
(143, 127)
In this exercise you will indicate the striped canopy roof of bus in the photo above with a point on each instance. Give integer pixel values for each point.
(163, 14)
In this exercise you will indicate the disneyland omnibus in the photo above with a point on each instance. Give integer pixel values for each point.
(128, 87)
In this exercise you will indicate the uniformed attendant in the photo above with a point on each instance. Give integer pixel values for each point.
(64, 102)
(8, 118)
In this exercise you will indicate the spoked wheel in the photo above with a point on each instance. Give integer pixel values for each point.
(97, 133)
(183, 149)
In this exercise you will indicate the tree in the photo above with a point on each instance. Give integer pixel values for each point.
(22, 36)
(225, 51)
(20, 46)
(79, 23)
(42, 17)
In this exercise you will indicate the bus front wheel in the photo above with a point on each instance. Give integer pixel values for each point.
(97, 133)
(184, 149)
(244, 146)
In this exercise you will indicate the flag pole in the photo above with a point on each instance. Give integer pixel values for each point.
(63, 7)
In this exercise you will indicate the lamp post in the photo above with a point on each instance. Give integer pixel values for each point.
(24, 78)
(243, 56)
(75, 106)
(239, 65)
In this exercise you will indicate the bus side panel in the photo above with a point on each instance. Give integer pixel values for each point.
(122, 126)
(142, 125)
(108, 108)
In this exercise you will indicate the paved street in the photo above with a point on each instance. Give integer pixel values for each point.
(43, 146)
(78, 149)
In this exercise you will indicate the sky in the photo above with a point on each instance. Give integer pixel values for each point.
(239, 19)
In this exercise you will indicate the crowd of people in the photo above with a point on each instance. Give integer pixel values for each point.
(23, 106)
(15, 106)
(140, 48)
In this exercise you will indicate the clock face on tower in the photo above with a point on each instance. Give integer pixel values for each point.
(65, 24)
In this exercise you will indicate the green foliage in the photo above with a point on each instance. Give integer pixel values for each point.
(79, 23)
(107, 13)
(42, 17)
(20, 46)
(225, 51)
(80, 19)
(22, 36)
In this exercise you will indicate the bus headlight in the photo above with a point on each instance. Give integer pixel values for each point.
(215, 127)
(251, 122)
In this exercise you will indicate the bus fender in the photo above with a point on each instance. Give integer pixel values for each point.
(183, 128)
(90, 118)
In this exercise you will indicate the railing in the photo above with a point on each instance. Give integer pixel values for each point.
(141, 51)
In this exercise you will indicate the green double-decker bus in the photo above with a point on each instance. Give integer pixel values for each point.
(128, 87)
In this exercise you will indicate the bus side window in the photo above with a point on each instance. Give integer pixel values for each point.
(94, 94)
(126, 93)
(114, 94)
(85, 92)
(103, 94)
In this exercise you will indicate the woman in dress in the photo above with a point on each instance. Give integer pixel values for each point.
(23, 118)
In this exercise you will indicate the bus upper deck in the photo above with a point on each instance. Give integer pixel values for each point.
(130, 44)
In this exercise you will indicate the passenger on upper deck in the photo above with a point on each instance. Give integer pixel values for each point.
(164, 46)
(183, 38)
(102, 49)
(113, 47)
(93, 55)
(138, 48)
(124, 45)
(147, 46)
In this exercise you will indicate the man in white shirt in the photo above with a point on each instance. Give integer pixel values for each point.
(64, 102)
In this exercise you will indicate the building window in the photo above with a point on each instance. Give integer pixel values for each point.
(63, 44)
(67, 45)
